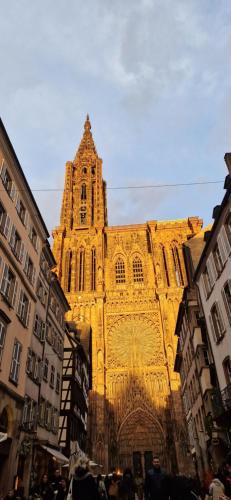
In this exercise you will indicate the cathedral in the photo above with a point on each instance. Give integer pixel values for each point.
(126, 283)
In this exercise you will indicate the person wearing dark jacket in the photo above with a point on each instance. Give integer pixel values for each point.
(44, 490)
(83, 484)
(156, 482)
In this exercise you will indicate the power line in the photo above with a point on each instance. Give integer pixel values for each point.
(148, 186)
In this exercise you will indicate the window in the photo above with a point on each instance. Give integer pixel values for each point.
(206, 282)
(21, 211)
(81, 269)
(46, 370)
(83, 192)
(227, 370)
(138, 276)
(29, 269)
(15, 363)
(216, 322)
(84, 170)
(3, 328)
(93, 269)
(164, 255)
(7, 182)
(57, 388)
(16, 244)
(42, 411)
(33, 237)
(226, 294)
(177, 266)
(9, 286)
(24, 308)
(120, 271)
(52, 376)
(218, 259)
(224, 244)
(4, 221)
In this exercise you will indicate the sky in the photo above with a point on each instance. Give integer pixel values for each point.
(155, 78)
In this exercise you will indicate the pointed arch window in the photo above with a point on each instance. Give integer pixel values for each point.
(138, 275)
(83, 192)
(177, 266)
(165, 263)
(120, 271)
(81, 269)
(93, 269)
(68, 264)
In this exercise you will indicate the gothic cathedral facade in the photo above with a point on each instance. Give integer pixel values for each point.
(126, 282)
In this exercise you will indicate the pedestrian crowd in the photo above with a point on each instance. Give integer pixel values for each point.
(157, 485)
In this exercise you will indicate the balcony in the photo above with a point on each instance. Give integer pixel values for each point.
(197, 338)
(221, 405)
(205, 379)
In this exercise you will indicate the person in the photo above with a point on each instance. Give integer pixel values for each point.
(156, 482)
(127, 487)
(216, 489)
(44, 490)
(56, 481)
(139, 482)
(101, 488)
(62, 490)
(10, 495)
(113, 489)
(83, 483)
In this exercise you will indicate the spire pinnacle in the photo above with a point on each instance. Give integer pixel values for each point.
(87, 142)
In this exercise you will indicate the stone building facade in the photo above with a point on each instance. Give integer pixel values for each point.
(126, 282)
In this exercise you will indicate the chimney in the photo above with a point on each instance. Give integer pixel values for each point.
(227, 159)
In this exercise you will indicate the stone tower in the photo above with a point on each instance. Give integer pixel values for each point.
(126, 282)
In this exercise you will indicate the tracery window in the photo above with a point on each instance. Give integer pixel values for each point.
(120, 271)
(138, 275)
(93, 269)
(83, 192)
(165, 266)
(67, 279)
(81, 268)
(177, 266)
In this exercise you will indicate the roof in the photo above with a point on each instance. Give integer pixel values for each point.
(20, 170)
(219, 211)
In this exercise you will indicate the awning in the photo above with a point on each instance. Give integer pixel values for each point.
(3, 436)
(56, 454)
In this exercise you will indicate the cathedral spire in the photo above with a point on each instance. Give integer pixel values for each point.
(87, 142)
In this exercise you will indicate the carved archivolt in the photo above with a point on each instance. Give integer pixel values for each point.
(135, 341)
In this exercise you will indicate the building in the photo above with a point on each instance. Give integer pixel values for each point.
(75, 386)
(126, 282)
(213, 280)
(194, 362)
(32, 308)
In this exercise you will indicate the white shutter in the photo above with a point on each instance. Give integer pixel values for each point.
(19, 308)
(21, 252)
(17, 203)
(14, 293)
(3, 169)
(6, 227)
(12, 236)
(213, 267)
(26, 219)
(212, 328)
(4, 279)
(13, 191)
(225, 241)
(221, 317)
(228, 312)
(28, 313)
(210, 270)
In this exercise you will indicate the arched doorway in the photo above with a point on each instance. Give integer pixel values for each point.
(139, 437)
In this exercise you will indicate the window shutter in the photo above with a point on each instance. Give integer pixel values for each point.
(13, 191)
(3, 169)
(33, 276)
(203, 285)
(17, 203)
(210, 270)
(213, 267)
(37, 245)
(26, 263)
(15, 293)
(19, 311)
(28, 313)
(225, 241)
(43, 332)
(221, 317)
(212, 328)
(226, 304)
(221, 249)
(12, 236)
(21, 253)
(26, 220)
(6, 226)
(4, 278)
